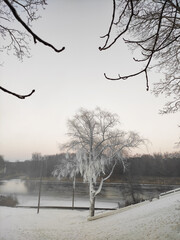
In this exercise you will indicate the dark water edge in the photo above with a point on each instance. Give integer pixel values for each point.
(53, 192)
(109, 190)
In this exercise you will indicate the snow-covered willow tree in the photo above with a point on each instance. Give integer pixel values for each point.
(98, 145)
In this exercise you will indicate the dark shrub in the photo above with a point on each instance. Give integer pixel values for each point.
(8, 201)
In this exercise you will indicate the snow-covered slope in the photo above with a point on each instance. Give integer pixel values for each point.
(159, 219)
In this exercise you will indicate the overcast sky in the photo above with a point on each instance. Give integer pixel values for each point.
(67, 81)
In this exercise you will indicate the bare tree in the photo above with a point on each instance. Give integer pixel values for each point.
(98, 144)
(16, 40)
(154, 28)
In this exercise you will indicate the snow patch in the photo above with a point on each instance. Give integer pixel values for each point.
(159, 219)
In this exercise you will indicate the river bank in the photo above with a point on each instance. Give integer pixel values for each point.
(159, 219)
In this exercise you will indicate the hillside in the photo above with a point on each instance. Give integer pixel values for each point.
(159, 219)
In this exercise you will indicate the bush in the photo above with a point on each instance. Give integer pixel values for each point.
(8, 201)
(129, 201)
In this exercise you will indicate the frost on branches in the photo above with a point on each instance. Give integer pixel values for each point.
(98, 145)
(67, 168)
(152, 28)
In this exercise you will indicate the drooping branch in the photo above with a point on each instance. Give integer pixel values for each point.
(29, 8)
(160, 47)
(149, 52)
(17, 41)
(17, 95)
(35, 37)
(110, 28)
(130, 76)
(171, 107)
(16, 37)
(106, 45)
(169, 86)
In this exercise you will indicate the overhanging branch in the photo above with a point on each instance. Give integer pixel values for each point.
(130, 76)
(151, 51)
(106, 45)
(35, 37)
(17, 95)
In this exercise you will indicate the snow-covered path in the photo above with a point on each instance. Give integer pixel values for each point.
(159, 219)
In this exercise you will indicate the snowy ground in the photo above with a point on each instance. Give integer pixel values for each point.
(156, 220)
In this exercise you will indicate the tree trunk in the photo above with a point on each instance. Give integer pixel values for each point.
(92, 207)
(74, 185)
(40, 183)
(92, 199)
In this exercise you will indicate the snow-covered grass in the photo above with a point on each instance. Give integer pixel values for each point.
(156, 220)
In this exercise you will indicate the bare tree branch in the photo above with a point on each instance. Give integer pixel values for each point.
(149, 52)
(153, 27)
(110, 27)
(16, 39)
(106, 46)
(35, 37)
(17, 95)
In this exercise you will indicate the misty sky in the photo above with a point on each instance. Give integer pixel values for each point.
(67, 81)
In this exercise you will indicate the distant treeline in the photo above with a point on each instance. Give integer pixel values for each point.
(157, 165)
(32, 168)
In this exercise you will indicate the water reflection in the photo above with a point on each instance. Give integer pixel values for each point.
(14, 186)
(55, 193)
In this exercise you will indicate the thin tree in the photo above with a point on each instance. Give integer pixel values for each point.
(16, 40)
(37, 157)
(67, 167)
(153, 27)
(98, 145)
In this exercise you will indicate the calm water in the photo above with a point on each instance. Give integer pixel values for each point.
(60, 193)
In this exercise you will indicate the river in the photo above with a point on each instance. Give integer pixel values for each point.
(57, 193)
